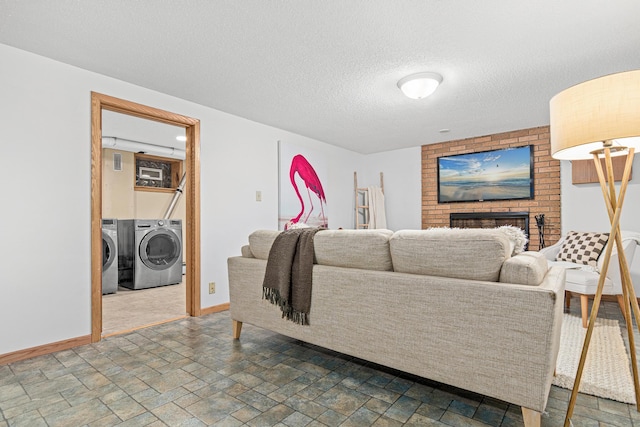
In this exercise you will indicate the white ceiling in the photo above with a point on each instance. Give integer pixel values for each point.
(328, 69)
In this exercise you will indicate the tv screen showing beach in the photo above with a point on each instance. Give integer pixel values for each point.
(489, 175)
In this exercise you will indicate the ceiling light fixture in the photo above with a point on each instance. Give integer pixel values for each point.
(420, 85)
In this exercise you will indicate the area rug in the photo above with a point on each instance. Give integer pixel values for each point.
(607, 371)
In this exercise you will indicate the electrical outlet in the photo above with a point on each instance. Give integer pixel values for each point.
(258, 196)
(212, 287)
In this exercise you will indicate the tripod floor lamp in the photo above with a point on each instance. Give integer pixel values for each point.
(599, 119)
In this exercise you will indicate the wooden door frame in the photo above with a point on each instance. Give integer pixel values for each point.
(191, 245)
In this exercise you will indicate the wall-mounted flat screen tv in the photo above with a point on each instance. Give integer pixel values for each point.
(504, 174)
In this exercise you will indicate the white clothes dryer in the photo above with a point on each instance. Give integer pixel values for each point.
(150, 251)
(109, 256)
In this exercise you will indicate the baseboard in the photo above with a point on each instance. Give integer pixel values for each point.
(75, 342)
(214, 309)
(44, 349)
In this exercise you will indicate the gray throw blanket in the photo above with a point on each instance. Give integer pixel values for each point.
(287, 279)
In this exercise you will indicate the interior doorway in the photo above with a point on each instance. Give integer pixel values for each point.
(191, 226)
(142, 184)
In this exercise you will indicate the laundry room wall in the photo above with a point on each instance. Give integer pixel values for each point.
(45, 256)
(117, 186)
(121, 200)
(150, 205)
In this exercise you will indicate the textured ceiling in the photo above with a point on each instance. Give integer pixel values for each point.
(328, 69)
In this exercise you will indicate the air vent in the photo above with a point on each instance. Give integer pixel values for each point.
(117, 161)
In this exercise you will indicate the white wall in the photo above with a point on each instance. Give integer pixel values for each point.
(402, 171)
(46, 175)
(583, 209)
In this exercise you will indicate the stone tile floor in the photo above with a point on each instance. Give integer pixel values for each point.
(191, 373)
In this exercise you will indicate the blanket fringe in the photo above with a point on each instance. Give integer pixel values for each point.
(274, 297)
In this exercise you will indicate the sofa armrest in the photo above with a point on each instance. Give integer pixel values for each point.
(527, 268)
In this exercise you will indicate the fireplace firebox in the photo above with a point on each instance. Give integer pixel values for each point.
(490, 220)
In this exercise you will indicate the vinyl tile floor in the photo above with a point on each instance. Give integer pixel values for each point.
(190, 372)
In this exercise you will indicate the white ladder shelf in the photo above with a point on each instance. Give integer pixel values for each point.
(362, 202)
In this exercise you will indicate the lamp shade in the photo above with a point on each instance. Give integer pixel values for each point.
(582, 117)
(421, 85)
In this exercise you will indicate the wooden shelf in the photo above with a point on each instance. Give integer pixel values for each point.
(172, 168)
(584, 171)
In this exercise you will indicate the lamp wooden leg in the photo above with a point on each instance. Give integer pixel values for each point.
(629, 305)
(587, 338)
(622, 304)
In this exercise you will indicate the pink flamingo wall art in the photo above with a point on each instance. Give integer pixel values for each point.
(301, 166)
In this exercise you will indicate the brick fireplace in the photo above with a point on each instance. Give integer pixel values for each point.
(546, 175)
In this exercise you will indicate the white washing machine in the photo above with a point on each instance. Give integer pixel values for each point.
(109, 256)
(150, 252)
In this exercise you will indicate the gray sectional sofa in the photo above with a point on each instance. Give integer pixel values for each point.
(449, 305)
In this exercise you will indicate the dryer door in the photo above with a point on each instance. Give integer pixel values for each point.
(160, 249)
(108, 251)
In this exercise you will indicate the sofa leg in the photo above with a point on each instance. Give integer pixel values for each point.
(531, 418)
(584, 307)
(237, 328)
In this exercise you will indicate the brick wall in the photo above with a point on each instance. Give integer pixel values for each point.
(546, 182)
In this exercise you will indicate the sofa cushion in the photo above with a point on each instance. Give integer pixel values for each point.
(246, 251)
(366, 249)
(527, 268)
(469, 253)
(260, 242)
(582, 248)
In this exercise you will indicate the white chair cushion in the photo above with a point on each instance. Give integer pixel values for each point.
(582, 279)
